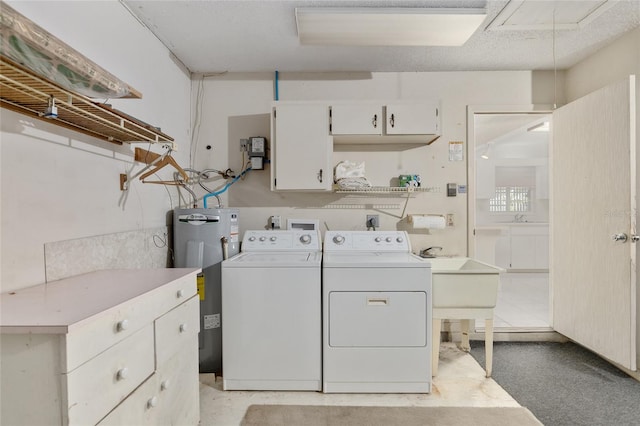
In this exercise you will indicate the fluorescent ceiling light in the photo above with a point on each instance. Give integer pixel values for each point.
(387, 26)
(485, 152)
(540, 127)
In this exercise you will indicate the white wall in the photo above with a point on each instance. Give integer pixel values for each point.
(58, 184)
(237, 106)
(610, 64)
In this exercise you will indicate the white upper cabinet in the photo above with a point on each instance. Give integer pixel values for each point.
(380, 122)
(412, 119)
(355, 119)
(301, 147)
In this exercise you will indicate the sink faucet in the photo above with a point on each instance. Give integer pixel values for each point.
(429, 252)
(519, 218)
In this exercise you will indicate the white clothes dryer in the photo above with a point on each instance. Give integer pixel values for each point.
(271, 304)
(376, 314)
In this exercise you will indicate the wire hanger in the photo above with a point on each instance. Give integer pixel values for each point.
(158, 161)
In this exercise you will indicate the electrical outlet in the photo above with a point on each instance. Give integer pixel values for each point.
(373, 221)
(243, 144)
(449, 219)
(275, 222)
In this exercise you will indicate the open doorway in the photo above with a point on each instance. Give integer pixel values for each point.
(509, 211)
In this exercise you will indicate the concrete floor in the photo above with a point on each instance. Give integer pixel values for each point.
(460, 382)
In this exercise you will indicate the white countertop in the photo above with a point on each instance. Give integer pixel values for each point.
(55, 306)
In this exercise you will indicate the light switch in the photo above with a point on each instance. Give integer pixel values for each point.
(452, 189)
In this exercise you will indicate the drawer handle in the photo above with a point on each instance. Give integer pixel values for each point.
(377, 301)
(164, 385)
(183, 328)
(122, 374)
(122, 325)
(152, 402)
(180, 294)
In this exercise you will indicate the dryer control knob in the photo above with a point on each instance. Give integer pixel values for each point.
(252, 238)
(399, 239)
(273, 238)
(388, 239)
(338, 239)
(263, 238)
(305, 239)
(378, 239)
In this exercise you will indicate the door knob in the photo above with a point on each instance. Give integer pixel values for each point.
(620, 237)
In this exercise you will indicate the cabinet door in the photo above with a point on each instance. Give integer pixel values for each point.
(356, 119)
(302, 156)
(542, 252)
(523, 251)
(412, 119)
(503, 251)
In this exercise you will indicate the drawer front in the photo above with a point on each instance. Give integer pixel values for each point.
(100, 384)
(179, 387)
(170, 397)
(176, 328)
(140, 408)
(122, 321)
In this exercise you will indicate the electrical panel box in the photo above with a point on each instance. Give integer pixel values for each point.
(257, 146)
(257, 150)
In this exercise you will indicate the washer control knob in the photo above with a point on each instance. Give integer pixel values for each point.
(305, 239)
(263, 238)
(273, 238)
(252, 238)
(388, 239)
(338, 239)
(378, 239)
(399, 239)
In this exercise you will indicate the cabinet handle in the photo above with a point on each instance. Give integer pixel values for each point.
(164, 385)
(152, 402)
(392, 120)
(320, 175)
(183, 328)
(122, 325)
(180, 294)
(375, 121)
(122, 374)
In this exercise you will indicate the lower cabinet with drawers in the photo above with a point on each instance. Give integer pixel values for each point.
(113, 347)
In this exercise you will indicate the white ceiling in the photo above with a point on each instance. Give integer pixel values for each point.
(255, 36)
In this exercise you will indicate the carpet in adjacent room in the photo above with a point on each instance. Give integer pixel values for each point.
(564, 383)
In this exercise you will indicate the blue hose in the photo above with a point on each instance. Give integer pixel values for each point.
(276, 86)
(224, 188)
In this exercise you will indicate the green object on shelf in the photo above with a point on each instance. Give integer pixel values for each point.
(405, 181)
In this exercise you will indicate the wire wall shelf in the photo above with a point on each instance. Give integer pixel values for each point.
(23, 91)
(388, 190)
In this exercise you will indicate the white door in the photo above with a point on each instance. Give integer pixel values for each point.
(594, 198)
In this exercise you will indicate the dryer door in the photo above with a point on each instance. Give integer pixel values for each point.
(377, 319)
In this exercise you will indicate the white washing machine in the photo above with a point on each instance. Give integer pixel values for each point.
(376, 314)
(271, 304)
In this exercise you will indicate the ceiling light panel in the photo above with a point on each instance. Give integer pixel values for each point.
(387, 26)
(520, 15)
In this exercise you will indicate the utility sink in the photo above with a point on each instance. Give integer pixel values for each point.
(462, 282)
(464, 289)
